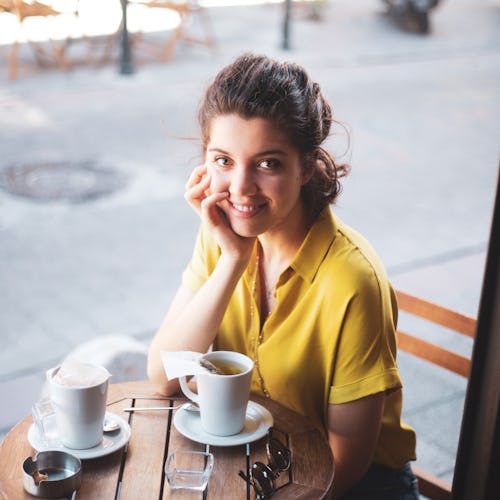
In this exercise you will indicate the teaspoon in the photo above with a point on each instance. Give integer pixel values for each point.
(110, 425)
(189, 406)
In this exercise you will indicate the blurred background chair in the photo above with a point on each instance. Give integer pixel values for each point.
(189, 13)
(49, 51)
(454, 323)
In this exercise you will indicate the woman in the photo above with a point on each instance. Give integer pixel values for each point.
(277, 276)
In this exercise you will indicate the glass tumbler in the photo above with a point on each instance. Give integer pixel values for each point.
(189, 470)
(44, 420)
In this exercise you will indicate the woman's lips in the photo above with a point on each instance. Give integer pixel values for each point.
(245, 209)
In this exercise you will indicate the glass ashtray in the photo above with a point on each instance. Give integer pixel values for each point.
(189, 470)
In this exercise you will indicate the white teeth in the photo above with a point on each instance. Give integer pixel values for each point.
(245, 208)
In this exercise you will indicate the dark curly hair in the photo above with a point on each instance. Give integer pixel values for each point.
(255, 86)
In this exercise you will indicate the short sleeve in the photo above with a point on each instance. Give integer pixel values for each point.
(366, 358)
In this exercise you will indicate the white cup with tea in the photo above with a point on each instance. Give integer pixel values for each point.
(78, 394)
(222, 396)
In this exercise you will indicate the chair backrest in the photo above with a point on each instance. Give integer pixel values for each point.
(430, 485)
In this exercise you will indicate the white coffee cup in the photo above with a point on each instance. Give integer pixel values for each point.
(79, 409)
(222, 399)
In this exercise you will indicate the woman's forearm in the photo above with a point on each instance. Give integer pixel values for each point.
(353, 431)
(193, 320)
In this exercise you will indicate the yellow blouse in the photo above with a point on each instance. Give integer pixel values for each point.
(330, 338)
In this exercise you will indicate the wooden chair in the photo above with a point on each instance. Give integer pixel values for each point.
(23, 9)
(430, 485)
(187, 11)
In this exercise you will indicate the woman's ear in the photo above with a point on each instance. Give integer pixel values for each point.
(308, 171)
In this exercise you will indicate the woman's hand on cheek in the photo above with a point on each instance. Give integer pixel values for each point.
(206, 205)
(211, 213)
(197, 188)
(216, 221)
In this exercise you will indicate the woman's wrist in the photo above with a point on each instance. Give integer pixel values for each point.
(234, 261)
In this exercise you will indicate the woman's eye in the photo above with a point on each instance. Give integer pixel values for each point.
(222, 162)
(269, 164)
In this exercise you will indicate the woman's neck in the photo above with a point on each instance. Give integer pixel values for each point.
(279, 247)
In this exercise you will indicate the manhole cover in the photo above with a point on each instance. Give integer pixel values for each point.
(65, 181)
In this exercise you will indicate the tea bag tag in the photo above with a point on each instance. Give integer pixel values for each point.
(181, 363)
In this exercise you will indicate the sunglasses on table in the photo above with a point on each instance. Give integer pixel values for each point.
(262, 476)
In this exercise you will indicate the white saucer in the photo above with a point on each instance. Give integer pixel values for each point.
(111, 441)
(257, 423)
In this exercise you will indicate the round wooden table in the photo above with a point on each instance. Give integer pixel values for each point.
(136, 471)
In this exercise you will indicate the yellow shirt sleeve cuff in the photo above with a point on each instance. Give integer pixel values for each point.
(387, 381)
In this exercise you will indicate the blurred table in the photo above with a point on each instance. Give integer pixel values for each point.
(136, 471)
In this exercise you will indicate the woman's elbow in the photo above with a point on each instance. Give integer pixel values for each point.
(159, 380)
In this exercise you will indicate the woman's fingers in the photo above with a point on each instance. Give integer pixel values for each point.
(210, 209)
(197, 188)
(196, 176)
(209, 206)
(218, 223)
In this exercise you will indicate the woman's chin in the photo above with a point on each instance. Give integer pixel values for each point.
(245, 230)
(247, 234)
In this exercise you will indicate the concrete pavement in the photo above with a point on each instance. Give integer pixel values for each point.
(423, 116)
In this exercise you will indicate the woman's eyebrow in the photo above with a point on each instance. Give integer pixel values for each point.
(272, 152)
(217, 150)
(260, 153)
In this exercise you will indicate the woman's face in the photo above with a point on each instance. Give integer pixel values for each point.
(256, 164)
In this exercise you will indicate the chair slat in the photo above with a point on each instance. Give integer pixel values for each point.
(431, 486)
(445, 317)
(434, 353)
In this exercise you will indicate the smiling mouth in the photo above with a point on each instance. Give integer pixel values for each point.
(245, 210)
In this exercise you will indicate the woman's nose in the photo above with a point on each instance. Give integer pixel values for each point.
(242, 182)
